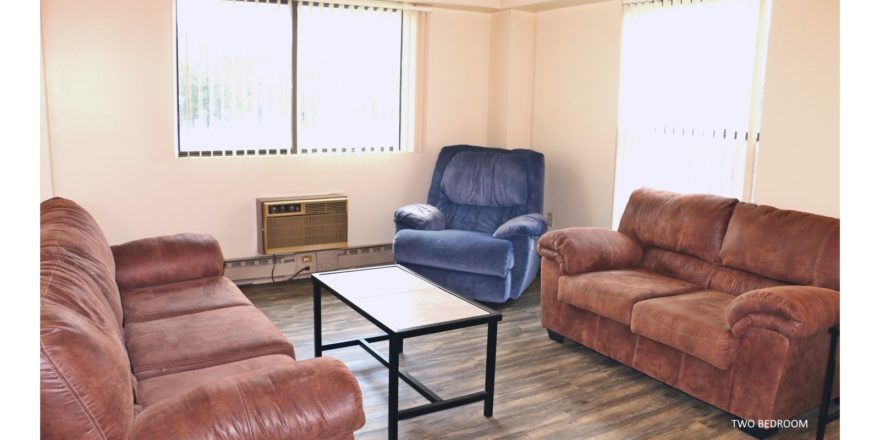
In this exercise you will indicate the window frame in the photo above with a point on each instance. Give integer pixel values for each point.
(294, 149)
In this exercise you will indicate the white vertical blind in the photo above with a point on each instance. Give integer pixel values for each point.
(355, 78)
(690, 85)
(235, 73)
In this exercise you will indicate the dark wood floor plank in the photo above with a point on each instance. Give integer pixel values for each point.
(543, 390)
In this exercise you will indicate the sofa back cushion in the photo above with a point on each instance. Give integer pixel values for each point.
(693, 224)
(479, 188)
(86, 383)
(70, 236)
(791, 246)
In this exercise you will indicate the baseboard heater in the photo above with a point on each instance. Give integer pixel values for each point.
(258, 270)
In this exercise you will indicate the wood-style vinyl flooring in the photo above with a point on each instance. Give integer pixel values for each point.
(543, 390)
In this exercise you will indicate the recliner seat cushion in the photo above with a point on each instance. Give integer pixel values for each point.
(465, 251)
(181, 298)
(613, 293)
(203, 339)
(693, 323)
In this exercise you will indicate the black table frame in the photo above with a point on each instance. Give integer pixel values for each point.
(830, 368)
(395, 339)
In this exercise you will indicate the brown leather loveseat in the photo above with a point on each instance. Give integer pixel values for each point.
(148, 340)
(727, 301)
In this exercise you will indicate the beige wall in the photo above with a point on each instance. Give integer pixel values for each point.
(109, 77)
(511, 78)
(575, 115)
(575, 106)
(798, 162)
(46, 187)
(110, 122)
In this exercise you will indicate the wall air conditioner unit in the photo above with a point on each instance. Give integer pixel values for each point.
(302, 224)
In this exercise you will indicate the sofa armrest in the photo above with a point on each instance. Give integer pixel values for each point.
(419, 216)
(794, 311)
(579, 250)
(167, 259)
(525, 225)
(317, 398)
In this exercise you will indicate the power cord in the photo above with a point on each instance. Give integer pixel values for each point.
(275, 263)
(305, 268)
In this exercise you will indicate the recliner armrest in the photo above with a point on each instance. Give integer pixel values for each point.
(317, 398)
(794, 311)
(419, 216)
(579, 250)
(525, 225)
(167, 259)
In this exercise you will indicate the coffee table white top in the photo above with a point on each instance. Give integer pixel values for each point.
(399, 298)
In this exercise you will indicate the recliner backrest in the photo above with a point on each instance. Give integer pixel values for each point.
(479, 188)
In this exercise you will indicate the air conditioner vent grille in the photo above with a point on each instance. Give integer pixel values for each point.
(306, 230)
(321, 223)
(325, 208)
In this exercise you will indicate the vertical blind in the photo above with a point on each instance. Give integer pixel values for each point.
(278, 77)
(349, 76)
(691, 82)
(234, 75)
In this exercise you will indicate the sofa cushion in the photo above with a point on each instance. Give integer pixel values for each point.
(465, 251)
(200, 340)
(159, 388)
(181, 298)
(792, 246)
(613, 293)
(69, 236)
(693, 224)
(485, 179)
(693, 323)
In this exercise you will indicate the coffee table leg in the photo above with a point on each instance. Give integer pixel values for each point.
(394, 346)
(316, 289)
(490, 369)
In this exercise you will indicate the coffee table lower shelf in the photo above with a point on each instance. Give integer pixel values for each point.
(395, 339)
(437, 403)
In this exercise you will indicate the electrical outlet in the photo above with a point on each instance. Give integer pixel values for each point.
(306, 259)
(550, 219)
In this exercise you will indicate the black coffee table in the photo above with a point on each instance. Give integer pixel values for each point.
(403, 305)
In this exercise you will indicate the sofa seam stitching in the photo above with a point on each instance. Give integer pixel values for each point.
(79, 402)
(247, 414)
(819, 254)
(158, 316)
(141, 368)
(52, 275)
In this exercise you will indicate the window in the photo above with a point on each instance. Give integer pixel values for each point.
(691, 83)
(279, 77)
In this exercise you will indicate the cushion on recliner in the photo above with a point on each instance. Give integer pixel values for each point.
(693, 323)
(613, 293)
(485, 179)
(464, 251)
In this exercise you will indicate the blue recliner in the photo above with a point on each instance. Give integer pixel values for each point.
(477, 234)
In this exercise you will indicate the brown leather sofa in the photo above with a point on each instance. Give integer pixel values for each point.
(148, 340)
(727, 301)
